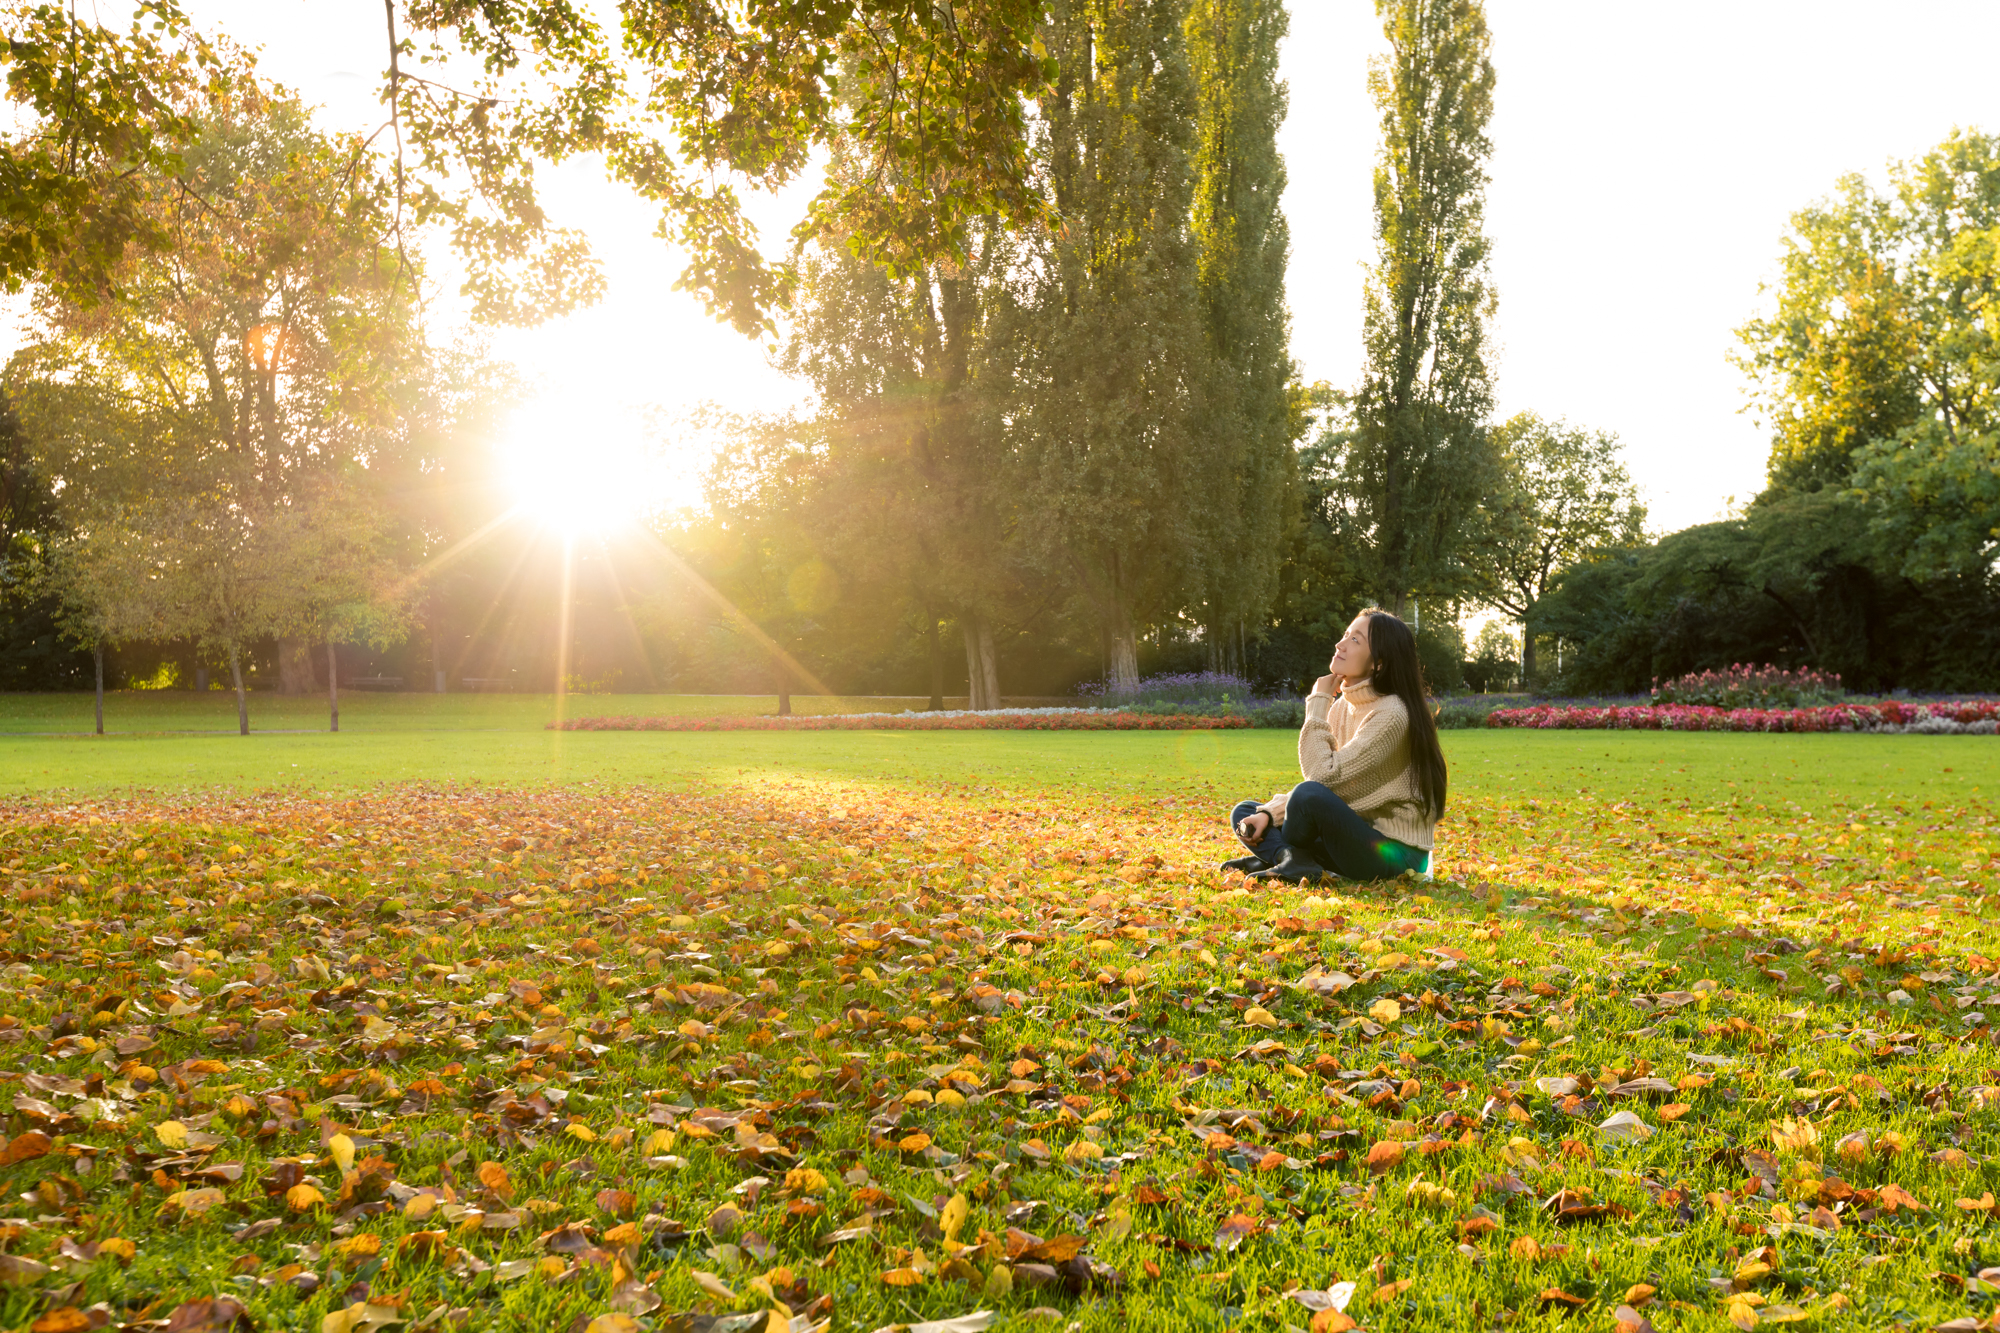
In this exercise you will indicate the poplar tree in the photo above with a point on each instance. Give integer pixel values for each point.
(898, 479)
(1113, 490)
(1245, 415)
(1421, 460)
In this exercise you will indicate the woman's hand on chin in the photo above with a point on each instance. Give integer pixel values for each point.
(1330, 686)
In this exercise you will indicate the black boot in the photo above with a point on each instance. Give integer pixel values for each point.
(1247, 864)
(1294, 868)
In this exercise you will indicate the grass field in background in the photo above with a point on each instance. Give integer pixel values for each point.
(152, 711)
(485, 1026)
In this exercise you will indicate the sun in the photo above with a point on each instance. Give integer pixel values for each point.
(578, 467)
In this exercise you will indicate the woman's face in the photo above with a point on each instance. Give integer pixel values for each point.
(1351, 660)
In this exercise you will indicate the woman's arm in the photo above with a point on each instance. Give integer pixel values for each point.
(1371, 752)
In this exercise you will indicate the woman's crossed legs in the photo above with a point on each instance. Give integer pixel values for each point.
(1321, 833)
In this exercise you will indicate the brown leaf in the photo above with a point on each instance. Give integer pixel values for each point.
(217, 1314)
(24, 1147)
(1628, 1320)
(1236, 1229)
(1894, 1196)
(619, 1203)
(1389, 1291)
(1384, 1156)
(1331, 1321)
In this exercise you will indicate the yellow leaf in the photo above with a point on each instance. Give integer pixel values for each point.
(342, 1149)
(420, 1207)
(1206, 957)
(1259, 1018)
(363, 1246)
(1083, 1150)
(714, 1286)
(172, 1133)
(952, 1220)
(804, 1180)
(1385, 1011)
(576, 1129)
(902, 1277)
(999, 1283)
(914, 1142)
(301, 1197)
(660, 1144)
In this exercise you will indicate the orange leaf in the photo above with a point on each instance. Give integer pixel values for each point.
(902, 1277)
(494, 1177)
(1331, 1321)
(1385, 1155)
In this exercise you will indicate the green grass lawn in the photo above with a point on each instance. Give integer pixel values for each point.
(150, 712)
(489, 1026)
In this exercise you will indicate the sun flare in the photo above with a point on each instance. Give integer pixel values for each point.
(580, 468)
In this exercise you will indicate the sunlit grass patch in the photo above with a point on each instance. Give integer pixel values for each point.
(534, 1059)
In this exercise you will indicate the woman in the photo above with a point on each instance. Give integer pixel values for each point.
(1374, 772)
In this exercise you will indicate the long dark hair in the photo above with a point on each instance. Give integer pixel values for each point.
(1397, 671)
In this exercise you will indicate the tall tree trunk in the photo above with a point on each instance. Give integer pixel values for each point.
(937, 665)
(295, 667)
(242, 704)
(1527, 658)
(982, 669)
(784, 688)
(97, 651)
(1123, 644)
(437, 652)
(332, 688)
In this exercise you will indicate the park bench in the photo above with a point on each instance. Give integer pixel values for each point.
(375, 683)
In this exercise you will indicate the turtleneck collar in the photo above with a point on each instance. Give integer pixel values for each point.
(1360, 692)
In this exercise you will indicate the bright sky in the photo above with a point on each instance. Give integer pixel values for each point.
(1646, 159)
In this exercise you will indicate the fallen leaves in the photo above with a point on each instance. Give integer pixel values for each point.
(518, 1070)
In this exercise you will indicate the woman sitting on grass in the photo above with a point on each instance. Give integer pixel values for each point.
(1374, 772)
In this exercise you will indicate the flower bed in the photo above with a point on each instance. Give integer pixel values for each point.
(1976, 716)
(1013, 719)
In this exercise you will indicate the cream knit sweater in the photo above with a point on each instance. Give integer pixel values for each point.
(1359, 745)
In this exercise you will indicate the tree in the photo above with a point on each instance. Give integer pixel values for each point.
(1496, 658)
(250, 379)
(677, 98)
(1877, 367)
(1421, 459)
(1115, 486)
(1246, 404)
(105, 116)
(900, 484)
(1566, 493)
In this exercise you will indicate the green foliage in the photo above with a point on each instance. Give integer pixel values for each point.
(1496, 659)
(1324, 579)
(1565, 492)
(1246, 402)
(1800, 580)
(1115, 482)
(1878, 365)
(102, 115)
(1421, 459)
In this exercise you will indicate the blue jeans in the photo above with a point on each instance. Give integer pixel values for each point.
(1322, 827)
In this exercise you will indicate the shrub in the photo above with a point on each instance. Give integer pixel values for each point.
(1184, 687)
(1744, 686)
